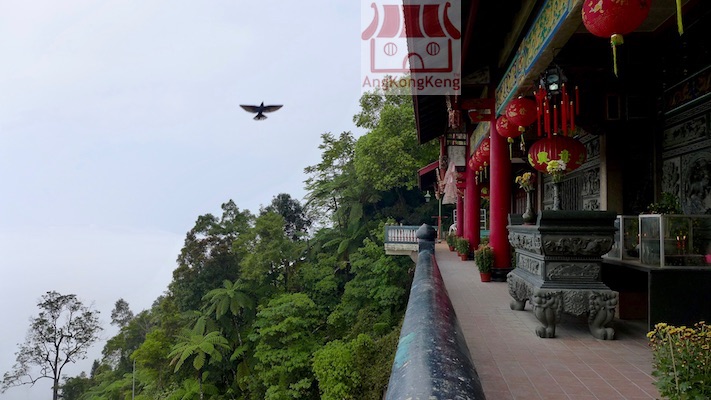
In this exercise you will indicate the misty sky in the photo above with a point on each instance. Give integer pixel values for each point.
(120, 124)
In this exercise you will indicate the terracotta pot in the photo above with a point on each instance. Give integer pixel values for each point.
(485, 276)
(464, 257)
(451, 248)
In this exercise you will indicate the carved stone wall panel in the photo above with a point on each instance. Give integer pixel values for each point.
(591, 182)
(587, 246)
(686, 132)
(671, 174)
(591, 204)
(567, 271)
(696, 182)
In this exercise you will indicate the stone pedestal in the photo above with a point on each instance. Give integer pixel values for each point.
(558, 263)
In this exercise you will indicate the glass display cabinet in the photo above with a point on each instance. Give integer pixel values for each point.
(626, 245)
(675, 240)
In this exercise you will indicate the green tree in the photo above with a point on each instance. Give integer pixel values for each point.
(230, 299)
(269, 255)
(121, 315)
(203, 347)
(296, 222)
(61, 334)
(206, 258)
(73, 388)
(335, 369)
(330, 179)
(285, 341)
(389, 156)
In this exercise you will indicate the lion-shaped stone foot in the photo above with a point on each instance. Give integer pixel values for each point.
(602, 312)
(518, 305)
(547, 307)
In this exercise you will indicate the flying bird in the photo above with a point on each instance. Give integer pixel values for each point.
(260, 110)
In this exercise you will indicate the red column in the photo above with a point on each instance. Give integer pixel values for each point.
(472, 203)
(500, 199)
(460, 216)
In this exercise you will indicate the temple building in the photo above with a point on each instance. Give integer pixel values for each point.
(607, 104)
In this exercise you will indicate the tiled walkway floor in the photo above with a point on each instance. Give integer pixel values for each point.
(514, 363)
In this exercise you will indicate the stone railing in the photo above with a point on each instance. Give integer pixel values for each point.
(432, 359)
(401, 240)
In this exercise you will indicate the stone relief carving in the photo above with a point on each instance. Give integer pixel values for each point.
(591, 182)
(576, 302)
(519, 290)
(581, 246)
(529, 264)
(547, 307)
(602, 312)
(526, 242)
(696, 185)
(593, 148)
(689, 131)
(585, 272)
(591, 204)
(671, 171)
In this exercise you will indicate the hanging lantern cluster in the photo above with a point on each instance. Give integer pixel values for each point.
(479, 161)
(614, 18)
(555, 108)
(558, 152)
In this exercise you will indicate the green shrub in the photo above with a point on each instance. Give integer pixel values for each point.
(461, 245)
(484, 258)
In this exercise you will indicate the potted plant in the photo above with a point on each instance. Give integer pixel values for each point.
(484, 260)
(462, 246)
(451, 240)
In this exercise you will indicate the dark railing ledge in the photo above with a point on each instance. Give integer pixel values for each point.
(432, 359)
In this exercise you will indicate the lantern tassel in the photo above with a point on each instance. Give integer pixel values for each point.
(510, 140)
(679, 24)
(615, 40)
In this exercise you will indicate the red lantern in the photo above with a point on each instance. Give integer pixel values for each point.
(557, 147)
(485, 149)
(614, 18)
(521, 111)
(508, 130)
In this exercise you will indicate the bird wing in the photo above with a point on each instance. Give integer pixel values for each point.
(252, 109)
(271, 108)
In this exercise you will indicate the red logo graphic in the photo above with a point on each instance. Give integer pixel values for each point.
(413, 38)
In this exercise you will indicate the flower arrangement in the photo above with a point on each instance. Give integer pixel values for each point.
(526, 181)
(556, 168)
(484, 258)
(682, 360)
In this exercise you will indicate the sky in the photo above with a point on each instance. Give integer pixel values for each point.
(120, 124)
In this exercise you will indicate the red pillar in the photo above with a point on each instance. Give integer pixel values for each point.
(472, 203)
(500, 199)
(460, 216)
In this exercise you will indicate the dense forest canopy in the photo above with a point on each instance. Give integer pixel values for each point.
(298, 301)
